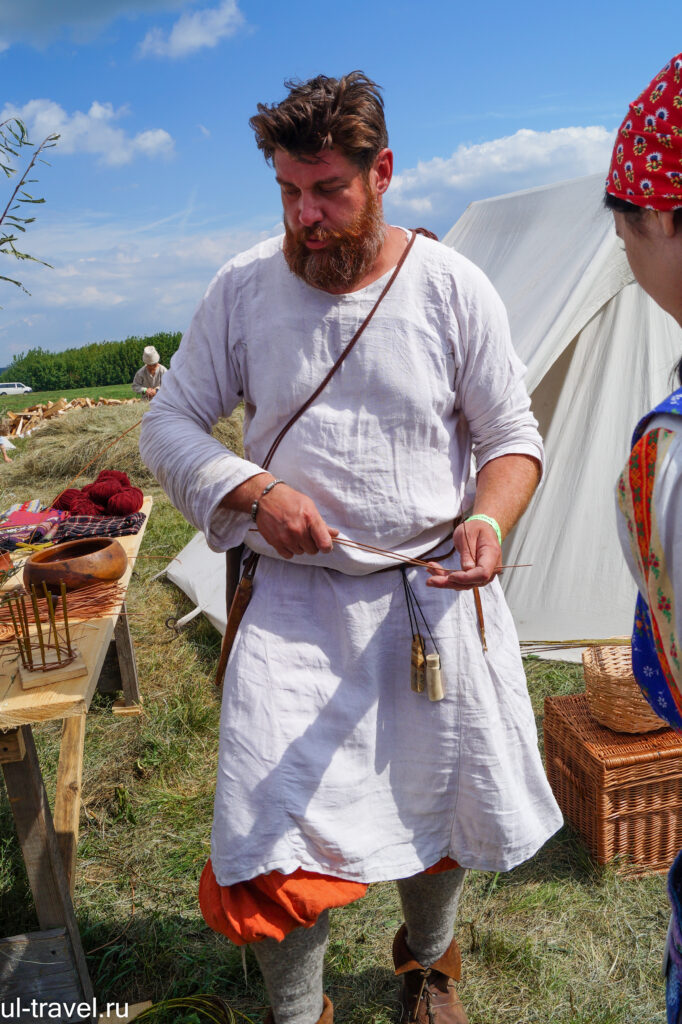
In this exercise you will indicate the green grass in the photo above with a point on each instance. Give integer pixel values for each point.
(556, 941)
(17, 402)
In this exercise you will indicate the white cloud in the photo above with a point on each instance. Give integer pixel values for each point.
(112, 279)
(155, 142)
(93, 132)
(441, 188)
(88, 297)
(194, 30)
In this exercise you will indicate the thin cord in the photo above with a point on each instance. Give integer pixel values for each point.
(414, 629)
(411, 611)
(416, 607)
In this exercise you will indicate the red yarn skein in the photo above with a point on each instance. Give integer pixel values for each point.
(115, 474)
(82, 506)
(65, 500)
(102, 490)
(125, 502)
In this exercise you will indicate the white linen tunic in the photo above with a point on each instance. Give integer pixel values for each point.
(328, 761)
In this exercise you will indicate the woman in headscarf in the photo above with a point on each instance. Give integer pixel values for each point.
(644, 191)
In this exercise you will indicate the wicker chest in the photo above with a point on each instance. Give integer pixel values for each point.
(621, 792)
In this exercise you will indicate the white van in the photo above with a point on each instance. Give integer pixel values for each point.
(14, 389)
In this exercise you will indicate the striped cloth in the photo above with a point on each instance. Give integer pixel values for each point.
(100, 526)
(34, 505)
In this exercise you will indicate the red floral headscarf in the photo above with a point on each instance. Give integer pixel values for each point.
(646, 166)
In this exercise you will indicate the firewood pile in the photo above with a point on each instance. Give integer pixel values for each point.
(23, 423)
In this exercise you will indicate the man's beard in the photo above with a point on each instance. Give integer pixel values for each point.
(348, 257)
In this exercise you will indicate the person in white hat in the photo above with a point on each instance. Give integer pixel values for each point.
(147, 380)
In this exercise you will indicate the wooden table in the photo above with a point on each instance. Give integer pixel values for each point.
(49, 965)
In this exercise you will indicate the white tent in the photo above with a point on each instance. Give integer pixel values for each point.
(200, 573)
(599, 354)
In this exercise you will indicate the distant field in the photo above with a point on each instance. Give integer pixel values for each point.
(16, 402)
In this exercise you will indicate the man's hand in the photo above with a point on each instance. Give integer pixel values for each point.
(286, 519)
(150, 392)
(480, 556)
(290, 522)
(504, 487)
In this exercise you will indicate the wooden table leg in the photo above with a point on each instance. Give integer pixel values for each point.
(126, 659)
(42, 857)
(67, 801)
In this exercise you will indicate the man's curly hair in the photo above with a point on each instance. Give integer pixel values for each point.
(325, 113)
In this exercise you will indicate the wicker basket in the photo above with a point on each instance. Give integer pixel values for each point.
(623, 794)
(613, 696)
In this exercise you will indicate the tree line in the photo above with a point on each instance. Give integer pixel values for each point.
(98, 364)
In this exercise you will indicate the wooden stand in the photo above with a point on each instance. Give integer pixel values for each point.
(72, 670)
(67, 802)
(119, 671)
(39, 966)
(50, 965)
(51, 962)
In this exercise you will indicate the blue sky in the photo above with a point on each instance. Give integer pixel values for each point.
(156, 180)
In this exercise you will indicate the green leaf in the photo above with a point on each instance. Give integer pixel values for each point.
(11, 280)
(13, 137)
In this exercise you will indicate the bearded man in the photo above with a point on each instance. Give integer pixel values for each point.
(334, 771)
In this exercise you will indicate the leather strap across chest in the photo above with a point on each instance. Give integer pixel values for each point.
(351, 344)
(238, 594)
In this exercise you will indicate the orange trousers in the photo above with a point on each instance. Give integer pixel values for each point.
(272, 905)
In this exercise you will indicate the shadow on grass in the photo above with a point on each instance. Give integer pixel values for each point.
(169, 956)
(16, 903)
(364, 995)
(564, 856)
(160, 956)
(193, 960)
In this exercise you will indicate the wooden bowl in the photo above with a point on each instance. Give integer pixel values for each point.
(76, 563)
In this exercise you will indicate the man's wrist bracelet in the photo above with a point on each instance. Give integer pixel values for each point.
(491, 522)
(266, 490)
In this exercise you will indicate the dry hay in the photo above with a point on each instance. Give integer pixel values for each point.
(229, 432)
(22, 422)
(59, 451)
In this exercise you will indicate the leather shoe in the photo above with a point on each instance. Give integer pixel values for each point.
(428, 994)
